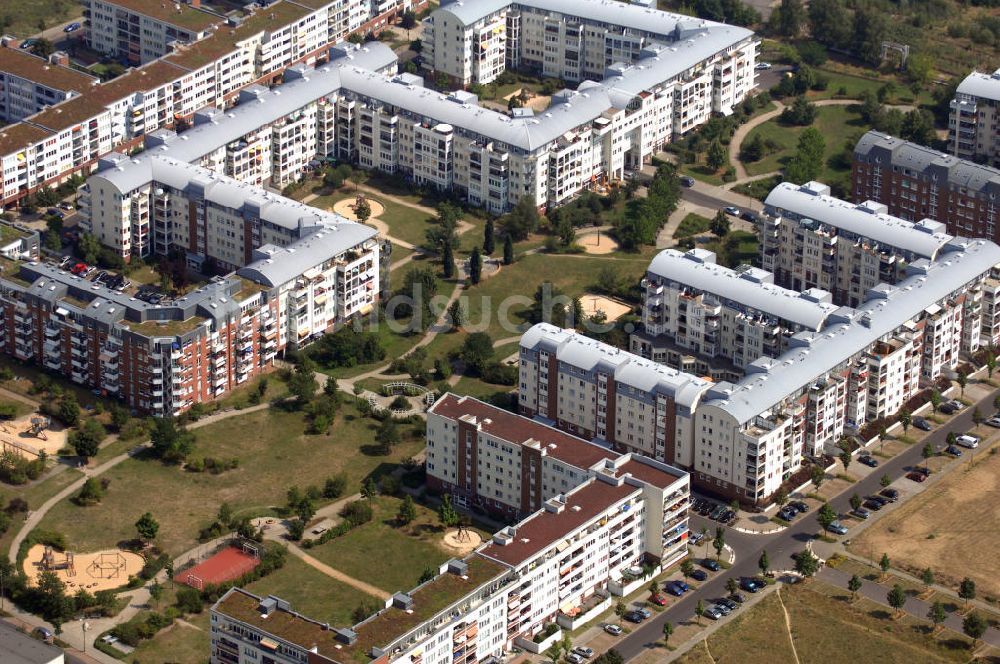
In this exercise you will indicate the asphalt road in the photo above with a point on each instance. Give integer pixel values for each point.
(781, 546)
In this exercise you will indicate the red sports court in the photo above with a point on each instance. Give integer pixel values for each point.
(228, 564)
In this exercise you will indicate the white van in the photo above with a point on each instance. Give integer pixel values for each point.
(965, 440)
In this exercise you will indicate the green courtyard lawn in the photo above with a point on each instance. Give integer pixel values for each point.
(187, 643)
(759, 189)
(310, 592)
(692, 224)
(385, 555)
(273, 455)
(405, 223)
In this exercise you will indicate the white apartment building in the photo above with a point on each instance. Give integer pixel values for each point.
(972, 122)
(562, 564)
(29, 84)
(694, 306)
(140, 31)
(810, 239)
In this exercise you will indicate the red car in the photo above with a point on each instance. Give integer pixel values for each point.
(79, 268)
(658, 600)
(916, 477)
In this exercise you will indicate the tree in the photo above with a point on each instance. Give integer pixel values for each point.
(302, 384)
(817, 475)
(68, 411)
(927, 452)
(408, 21)
(967, 590)
(508, 250)
(962, 380)
(489, 242)
(407, 511)
(448, 261)
(477, 352)
(905, 419)
(668, 630)
(369, 489)
(830, 23)
(897, 598)
(788, 17)
(855, 502)
(456, 314)
(806, 563)
(522, 220)
(334, 487)
(991, 364)
(687, 567)
(884, 564)
(826, 515)
(720, 224)
(781, 496)
(86, 441)
(977, 416)
(446, 512)
(475, 266)
(155, 592)
(89, 248)
(387, 434)
(927, 577)
(937, 615)
(846, 458)
(854, 585)
(719, 542)
(147, 527)
(885, 480)
(752, 149)
(918, 126)
(883, 433)
(699, 610)
(716, 157)
(763, 564)
(554, 651)
(974, 626)
(620, 608)
(807, 162)
(91, 492)
(732, 585)
(936, 400)
(170, 442)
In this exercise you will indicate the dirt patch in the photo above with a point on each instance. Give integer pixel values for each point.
(101, 570)
(597, 243)
(945, 528)
(17, 436)
(613, 309)
(345, 208)
(467, 543)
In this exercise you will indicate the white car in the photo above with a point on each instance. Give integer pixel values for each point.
(584, 651)
(613, 630)
(994, 421)
(965, 440)
(760, 66)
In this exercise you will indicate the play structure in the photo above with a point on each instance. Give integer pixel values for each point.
(597, 243)
(30, 435)
(228, 563)
(346, 207)
(101, 570)
(462, 539)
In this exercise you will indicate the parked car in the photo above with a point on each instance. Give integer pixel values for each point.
(28, 43)
(787, 513)
(837, 527)
(711, 565)
(872, 505)
(732, 209)
(644, 612)
(717, 512)
(953, 450)
(800, 506)
(79, 269)
(727, 517)
(674, 589)
(750, 584)
(916, 477)
(633, 617)
(713, 613)
(573, 658)
(658, 600)
(748, 216)
(762, 66)
(724, 610)
(956, 403)
(890, 494)
(739, 598)
(72, 27)
(881, 500)
(56, 212)
(584, 651)
(699, 575)
(921, 424)
(869, 461)
(43, 633)
(965, 440)
(687, 181)
(994, 421)
(65, 261)
(948, 409)
(728, 603)
(613, 630)
(65, 206)
(860, 513)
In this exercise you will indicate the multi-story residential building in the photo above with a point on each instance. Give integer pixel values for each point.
(603, 393)
(693, 305)
(915, 182)
(810, 239)
(29, 84)
(972, 122)
(562, 564)
(140, 31)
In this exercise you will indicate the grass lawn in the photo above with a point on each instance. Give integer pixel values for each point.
(36, 495)
(478, 388)
(273, 455)
(178, 643)
(692, 224)
(825, 628)
(405, 223)
(759, 189)
(380, 553)
(700, 171)
(26, 17)
(836, 123)
(310, 592)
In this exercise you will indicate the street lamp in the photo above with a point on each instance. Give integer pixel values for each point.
(84, 627)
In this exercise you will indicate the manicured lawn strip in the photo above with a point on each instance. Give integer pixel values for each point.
(384, 555)
(759, 189)
(692, 224)
(273, 455)
(310, 592)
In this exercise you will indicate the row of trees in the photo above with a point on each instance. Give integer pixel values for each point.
(644, 217)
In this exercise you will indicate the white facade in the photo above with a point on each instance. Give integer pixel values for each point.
(972, 122)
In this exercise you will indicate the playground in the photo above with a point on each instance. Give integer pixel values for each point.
(32, 434)
(230, 562)
(345, 208)
(462, 540)
(597, 243)
(613, 309)
(93, 572)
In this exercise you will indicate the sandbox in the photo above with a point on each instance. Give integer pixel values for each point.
(345, 208)
(597, 243)
(101, 570)
(462, 541)
(612, 309)
(18, 436)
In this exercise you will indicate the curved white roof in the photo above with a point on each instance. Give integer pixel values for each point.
(695, 270)
(978, 84)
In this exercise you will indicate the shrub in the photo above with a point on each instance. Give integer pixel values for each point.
(357, 512)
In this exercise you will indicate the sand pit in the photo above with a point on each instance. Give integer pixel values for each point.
(597, 243)
(345, 208)
(470, 539)
(101, 570)
(611, 308)
(16, 435)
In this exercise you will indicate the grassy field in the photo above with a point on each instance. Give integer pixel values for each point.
(692, 224)
(937, 527)
(384, 555)
(758, 189)
(825, 628)
(405, 223)
(311, 592)
(26, 19)
(179, 643)
(836, 123)
(273, 455)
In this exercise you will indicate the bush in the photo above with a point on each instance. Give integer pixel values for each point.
(357, 512)
(189, 600)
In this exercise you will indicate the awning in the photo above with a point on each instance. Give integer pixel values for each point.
(270, 644)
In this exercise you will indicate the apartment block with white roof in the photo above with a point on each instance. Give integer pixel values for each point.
(972, 121)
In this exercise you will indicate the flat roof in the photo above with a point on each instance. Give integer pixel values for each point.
(226, 38)
(978, 84)
(544, 529)
(178, 14)
(698, 270)
(19, 648)
(643, 469)
(520, 430)
(96, 100)
(33, 68)
(17, 137)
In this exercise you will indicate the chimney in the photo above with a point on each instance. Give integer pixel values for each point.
(59, 58)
